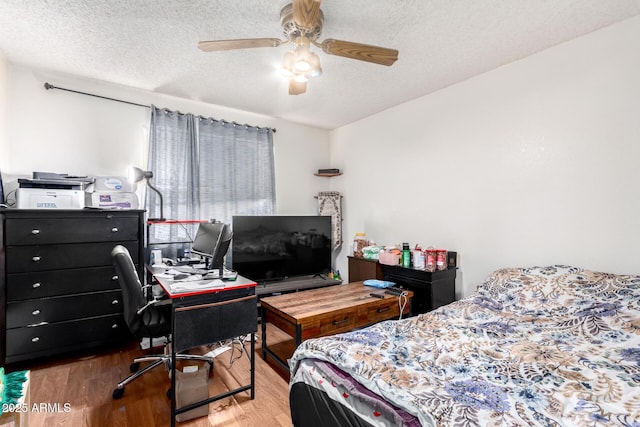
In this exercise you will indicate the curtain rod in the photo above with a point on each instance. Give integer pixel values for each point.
(49, 86)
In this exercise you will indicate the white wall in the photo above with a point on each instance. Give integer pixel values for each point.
(64, 132)
(4, 72)
(531, 164)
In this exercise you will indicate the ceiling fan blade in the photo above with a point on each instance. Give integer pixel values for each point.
(306, 13)
(297, 88)
(216, 45)
(359, 51)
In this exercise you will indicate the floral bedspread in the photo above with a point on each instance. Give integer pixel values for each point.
(548, 346)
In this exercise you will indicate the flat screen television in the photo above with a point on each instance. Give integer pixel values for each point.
(278, 247)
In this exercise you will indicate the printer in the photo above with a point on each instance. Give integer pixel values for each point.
(52, 191)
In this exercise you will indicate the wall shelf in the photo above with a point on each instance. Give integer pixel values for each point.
(328, 175)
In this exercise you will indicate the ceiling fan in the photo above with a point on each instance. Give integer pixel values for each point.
(302, 22)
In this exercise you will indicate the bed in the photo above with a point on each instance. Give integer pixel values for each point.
(548, 346)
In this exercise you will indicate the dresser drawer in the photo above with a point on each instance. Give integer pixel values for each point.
(40, 284)
(42, 231)
(338, 322)
(53, 257)
(50, 310)
(384, 309)
(64, 336)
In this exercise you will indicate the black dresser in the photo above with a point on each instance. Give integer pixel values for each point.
(58, 289)
(430, 289)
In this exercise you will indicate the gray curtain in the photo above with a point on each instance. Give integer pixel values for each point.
(173, 159)
(212, 170)
(236, 170)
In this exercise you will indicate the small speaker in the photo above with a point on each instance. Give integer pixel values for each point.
(452, 259)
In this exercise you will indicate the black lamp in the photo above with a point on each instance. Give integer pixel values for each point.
(138, 175)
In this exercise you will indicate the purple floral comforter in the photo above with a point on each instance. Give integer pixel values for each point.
(548, 346)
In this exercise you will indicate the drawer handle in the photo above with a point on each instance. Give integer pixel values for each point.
(35, 231)
(36, 285)
(36, 258)
(339, 322)
(34, 325)
(115, 302)
(383, 309)
(35, 312)
(114, 326)
(115, 277)
(114, 230)
(35, 339)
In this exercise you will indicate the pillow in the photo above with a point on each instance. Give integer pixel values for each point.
(556, 290)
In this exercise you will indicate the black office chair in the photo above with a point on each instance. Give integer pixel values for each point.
(145, 319)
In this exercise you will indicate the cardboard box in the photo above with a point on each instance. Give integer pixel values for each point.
(192, 387)
(113, 184)
(113, 200)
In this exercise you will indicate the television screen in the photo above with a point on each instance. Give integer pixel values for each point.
(278, 247)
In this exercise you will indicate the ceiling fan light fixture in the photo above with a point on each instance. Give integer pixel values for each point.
(315, 69)
(303, 54)
(302, 65)
(286, 66)
(301, 78)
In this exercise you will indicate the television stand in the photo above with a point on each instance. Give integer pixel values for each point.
(294, 284)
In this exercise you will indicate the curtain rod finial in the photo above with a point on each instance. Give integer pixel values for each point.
(48, 86)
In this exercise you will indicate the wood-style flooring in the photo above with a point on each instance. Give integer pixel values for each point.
(86, 381)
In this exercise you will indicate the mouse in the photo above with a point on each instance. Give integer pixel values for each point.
(180, 276)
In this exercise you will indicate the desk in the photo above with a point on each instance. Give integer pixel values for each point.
(205, 316)
(326, 311)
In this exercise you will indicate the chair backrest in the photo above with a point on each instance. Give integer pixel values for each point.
(132, 296)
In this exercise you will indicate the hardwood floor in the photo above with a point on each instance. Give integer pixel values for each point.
(85, 383)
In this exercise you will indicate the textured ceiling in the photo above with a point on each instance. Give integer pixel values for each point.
(152, 45)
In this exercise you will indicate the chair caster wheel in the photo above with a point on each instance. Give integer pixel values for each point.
(134, 367)
(117, 393)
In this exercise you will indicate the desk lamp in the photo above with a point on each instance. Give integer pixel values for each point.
(137, 175)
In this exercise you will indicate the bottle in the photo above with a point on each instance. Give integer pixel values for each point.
(156, 256)
(406, 255)
(441, 259)
(359, 242)
(430, 259)
(418, 258)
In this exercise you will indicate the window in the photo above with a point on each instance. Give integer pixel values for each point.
(207, 169)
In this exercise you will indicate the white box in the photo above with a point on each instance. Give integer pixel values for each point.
(113, 199)
(45, 198)
(112, 184)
